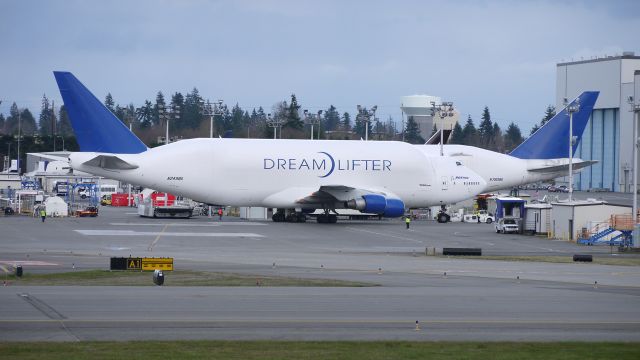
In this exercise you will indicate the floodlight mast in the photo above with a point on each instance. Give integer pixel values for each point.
(444, 109)
(364, 114)
(275, 124)
(571, 108)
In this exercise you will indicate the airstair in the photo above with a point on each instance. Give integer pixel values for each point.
(617, 231)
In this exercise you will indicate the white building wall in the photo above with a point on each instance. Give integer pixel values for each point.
(560, 216)
(608, 136)
(583, 216)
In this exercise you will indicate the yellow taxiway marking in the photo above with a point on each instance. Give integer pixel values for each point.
(157, 238)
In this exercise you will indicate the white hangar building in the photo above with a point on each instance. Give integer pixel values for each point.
(608, 136)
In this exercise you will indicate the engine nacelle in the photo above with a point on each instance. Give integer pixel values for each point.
(377, 204)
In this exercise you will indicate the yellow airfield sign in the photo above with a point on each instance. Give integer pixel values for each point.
(165, 264)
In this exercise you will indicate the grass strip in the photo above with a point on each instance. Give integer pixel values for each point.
(172, 278)
(266, 350)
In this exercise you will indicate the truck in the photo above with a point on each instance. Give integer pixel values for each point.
(507, 225)
(164, 205)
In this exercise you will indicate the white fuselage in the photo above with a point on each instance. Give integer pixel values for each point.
(278, 173)
(500, 171)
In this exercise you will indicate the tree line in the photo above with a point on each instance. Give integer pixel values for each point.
(190, 116)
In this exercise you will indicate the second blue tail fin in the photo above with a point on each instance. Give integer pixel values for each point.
(551, 141)
(96, 128)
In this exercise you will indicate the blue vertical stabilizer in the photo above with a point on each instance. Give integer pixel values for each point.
(551, 141)
(95, 127)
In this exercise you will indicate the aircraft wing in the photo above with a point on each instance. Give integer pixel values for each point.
(330, 194)
(563, 167)
(326, 195)
(110, 162)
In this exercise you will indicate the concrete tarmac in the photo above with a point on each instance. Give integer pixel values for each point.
(476, 300)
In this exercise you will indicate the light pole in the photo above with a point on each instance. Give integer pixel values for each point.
(19, 136)
(313, 119)
(635, 108)
(364, 114)
(444, 109)
(571, 108)
(207, 110)
(275, 124)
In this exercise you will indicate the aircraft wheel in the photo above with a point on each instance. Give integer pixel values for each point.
(302, 217)
(333, 219)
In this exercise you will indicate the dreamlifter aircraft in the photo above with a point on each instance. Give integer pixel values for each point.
(295, 176)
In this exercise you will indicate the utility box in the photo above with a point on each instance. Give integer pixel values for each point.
(19, 271)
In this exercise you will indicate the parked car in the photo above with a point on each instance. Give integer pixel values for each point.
(552, 189)
(507, 225)
(562, 188)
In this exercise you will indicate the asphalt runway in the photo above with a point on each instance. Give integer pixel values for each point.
(476, 300)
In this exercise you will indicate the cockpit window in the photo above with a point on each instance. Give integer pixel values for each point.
(458, 163)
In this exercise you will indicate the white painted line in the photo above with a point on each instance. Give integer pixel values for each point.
(27, 262)
(187, 224)
(160, 233)
(385, 235)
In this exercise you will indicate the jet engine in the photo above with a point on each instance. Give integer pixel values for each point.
(377, 204)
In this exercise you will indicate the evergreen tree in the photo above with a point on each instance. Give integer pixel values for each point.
(391, 128)
(237, 120)
(192, 110)
(176, 109)
(457, 137)
(485, 130)
(549, 113)
(144, 115)
(293, 120)
(331, 118)
(29, 126)
(109, 103)
(534, 129)
(2, 123)
(469, 133)
(513, 137)
(160, 103)
(497, 143)
(64, 124)
(359, 126)
(346, 121)
(46, 118)
(412, 132)
(20, 121)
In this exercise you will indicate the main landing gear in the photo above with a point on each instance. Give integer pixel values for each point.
(327, 218)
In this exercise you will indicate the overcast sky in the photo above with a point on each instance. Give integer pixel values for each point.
(502, 54)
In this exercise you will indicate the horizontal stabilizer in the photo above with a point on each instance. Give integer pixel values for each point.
(110, 162)
(564, 167)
